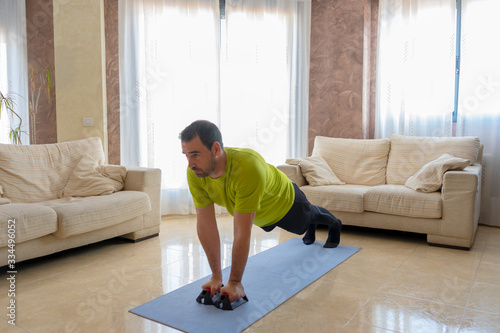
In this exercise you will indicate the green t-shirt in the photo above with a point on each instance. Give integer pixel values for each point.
(248, 185)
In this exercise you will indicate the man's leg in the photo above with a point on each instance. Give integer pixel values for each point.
(304, 217)
(298, 217)
(324, 217)
(310, 236)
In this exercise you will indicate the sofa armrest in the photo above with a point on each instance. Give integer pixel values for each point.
(146, 180)
(463, 180)
(294, 173)
(461, 198)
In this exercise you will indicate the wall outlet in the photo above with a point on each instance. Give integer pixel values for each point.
(88, 122)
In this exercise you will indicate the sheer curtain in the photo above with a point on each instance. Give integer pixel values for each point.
(14, 66)
(479, 95)
(264, 66)
(169, 76)
(180, 62)
(416, 67)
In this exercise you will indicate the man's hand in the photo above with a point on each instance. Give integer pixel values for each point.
(209, 238)
(234, 290)
(214, 284)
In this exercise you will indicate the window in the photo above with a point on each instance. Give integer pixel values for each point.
(242, 65)
(13, 66)
(438, 75)
(4, 119)
(416, 68)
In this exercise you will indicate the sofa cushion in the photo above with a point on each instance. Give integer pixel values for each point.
(89, 178)
(341, 198)
(83, 214)
(316, 171)
(39, 172)
(430, 177)
(409, 154)
(31, 221)
(355, 161)
(402, 201)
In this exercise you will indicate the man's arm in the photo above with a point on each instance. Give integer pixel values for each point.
(241, 245)
(208, 234)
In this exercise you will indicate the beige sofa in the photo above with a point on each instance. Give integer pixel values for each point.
(60, 196)
(375, 183)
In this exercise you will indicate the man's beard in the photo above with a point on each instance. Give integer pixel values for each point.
(200, 173)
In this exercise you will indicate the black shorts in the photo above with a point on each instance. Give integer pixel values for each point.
(298, 217)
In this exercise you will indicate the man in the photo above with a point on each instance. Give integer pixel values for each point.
(253, 191)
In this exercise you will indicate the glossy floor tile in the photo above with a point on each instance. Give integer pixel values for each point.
(408, 314)
(396, 283)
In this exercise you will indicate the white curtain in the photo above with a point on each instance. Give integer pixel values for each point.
(416, 68)
(264, 77)
(479, 95)
(180, 62)
(169, 75)
(14, 66)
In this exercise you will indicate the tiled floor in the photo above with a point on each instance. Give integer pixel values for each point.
(396, 283)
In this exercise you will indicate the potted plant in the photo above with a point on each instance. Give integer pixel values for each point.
(7, 103)
(46, 81)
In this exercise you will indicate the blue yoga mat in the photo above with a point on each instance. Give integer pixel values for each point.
(271, 277)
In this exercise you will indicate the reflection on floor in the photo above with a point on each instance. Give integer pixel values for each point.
(396, 283)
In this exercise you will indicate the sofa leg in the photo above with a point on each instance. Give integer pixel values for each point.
(449, 242)
(142, 234)
(139, 239)
(450, 246)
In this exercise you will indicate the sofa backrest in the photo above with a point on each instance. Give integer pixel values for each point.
(409, 154)
(355, 161)
(35, 173)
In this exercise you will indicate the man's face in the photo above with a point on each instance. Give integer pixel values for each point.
(200, 159)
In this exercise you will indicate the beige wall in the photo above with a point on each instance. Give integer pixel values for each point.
(80, 69)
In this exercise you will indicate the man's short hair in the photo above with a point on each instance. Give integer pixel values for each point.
(205, 130)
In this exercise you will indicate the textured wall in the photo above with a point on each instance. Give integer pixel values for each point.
(336, 73)
(40, 42)
(112, 79)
